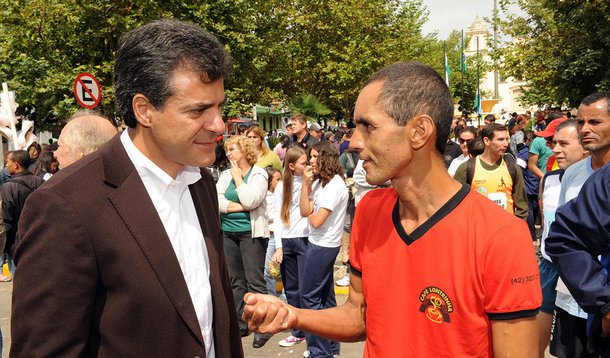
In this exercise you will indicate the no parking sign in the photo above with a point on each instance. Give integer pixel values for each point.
(87, 90)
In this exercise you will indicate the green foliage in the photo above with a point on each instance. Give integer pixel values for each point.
(280, 49)
(310, 106)
(273, 141)
(560, 47)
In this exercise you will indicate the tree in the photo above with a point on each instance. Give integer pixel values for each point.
(560, 47)
(310, 106)
(280, 49)
(45, 44)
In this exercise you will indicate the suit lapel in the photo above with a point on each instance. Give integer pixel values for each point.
(206, 206)
(131, 201)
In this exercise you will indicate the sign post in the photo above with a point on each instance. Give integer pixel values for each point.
(87, 90)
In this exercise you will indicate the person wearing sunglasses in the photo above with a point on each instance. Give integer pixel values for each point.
(466, 135)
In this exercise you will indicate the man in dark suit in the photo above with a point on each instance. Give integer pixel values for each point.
(121, 253)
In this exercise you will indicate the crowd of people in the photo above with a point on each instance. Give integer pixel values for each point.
(293, 207)
(551, 157)
(167, 239)
(529, 167)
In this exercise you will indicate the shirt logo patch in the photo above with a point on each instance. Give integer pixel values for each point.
(435, 304)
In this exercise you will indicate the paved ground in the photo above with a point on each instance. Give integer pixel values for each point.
(271, 349)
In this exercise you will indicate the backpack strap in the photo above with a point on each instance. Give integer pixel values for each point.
(19, 181)
(511, 164)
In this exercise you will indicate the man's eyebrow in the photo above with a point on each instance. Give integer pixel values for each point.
(202, 105)
(362, 121)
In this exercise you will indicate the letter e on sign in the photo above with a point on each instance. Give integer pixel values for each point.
(87, 90)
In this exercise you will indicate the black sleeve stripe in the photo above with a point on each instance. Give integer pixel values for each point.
(355, 271)
(512, 315)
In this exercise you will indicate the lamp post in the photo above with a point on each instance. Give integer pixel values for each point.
(495, 17)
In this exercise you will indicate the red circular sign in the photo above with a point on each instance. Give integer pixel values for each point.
(87, 90)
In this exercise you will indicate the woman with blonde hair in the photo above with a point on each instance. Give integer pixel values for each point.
(243, 217)
(265, 157)
(291, 231)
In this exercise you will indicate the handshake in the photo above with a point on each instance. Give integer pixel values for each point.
(268, 314)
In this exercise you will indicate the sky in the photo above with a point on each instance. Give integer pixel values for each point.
(448, 15)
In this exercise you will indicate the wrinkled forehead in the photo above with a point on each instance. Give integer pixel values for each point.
(368, 99)
(598, 110)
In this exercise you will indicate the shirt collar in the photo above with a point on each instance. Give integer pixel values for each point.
(151, 173)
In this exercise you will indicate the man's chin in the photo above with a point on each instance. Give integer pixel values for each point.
(374, 180)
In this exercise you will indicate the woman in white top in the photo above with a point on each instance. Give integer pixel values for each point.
(466, 135)
(243, 218)
(291, 232)
(324, 199)
(274, 178)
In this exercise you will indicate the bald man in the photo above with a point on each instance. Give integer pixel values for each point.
(84, 133)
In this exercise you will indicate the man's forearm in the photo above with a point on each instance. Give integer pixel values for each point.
(343, 323)
(268, 314)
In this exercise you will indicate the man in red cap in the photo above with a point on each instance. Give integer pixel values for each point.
(540, 149)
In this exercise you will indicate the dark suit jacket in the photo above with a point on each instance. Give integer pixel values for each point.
(97, 274)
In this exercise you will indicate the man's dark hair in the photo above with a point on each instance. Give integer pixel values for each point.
(597, 96)
(567, 123)
(22, 157)
(475, 147)
(411, 89)
(148, 56)
(553, 115)
(489, 130)
(490, 117)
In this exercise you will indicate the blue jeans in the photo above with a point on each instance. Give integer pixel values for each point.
(270, 281)
(6, 257)
(317, 292)
(293, 270)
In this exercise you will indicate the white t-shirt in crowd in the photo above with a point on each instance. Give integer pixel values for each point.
(333, 197)
(269, 199)
(455, 164)
(299, 227)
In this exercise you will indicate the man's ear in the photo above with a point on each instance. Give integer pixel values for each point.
(423, 131)
(142, 109)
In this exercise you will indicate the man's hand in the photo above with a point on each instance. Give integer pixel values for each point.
(268, 314)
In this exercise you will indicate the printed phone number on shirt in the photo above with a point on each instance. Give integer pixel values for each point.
(524, 279)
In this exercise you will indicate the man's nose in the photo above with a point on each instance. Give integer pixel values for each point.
(356, 143)
(217, 125)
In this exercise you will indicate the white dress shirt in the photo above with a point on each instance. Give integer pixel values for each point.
(174, 204)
